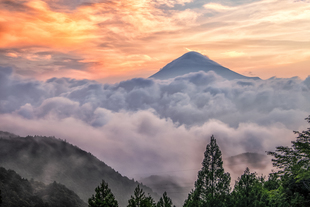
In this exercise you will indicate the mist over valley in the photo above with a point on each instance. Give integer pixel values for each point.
(152, 130)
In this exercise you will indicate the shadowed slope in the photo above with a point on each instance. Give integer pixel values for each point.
(48, 159)
(17, 191)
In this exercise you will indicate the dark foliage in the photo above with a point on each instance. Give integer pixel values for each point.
(103, 197)
(162, 183)
(48, 159)
(18, 192)
(294, 169)
(164, 201)
(289, 186)
(248, 191)
(140, 200)
(213, 184)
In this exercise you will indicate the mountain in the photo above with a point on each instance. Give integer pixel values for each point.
(254, 161)
(177, 191)
(48, 159)
(195, 62)
(17, 191)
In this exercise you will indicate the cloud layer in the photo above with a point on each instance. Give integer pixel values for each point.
(144, 126)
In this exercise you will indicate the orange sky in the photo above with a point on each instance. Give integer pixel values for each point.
(115, 40)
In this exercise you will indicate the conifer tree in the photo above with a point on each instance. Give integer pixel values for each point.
(103, 197)
(213, 184)
(248, 191)
(140, 200)
(164, 201)
(295, 160)
(293, 165)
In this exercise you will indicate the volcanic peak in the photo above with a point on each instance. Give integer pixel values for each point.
(195, 62)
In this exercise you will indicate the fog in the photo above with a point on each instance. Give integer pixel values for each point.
(144, 127)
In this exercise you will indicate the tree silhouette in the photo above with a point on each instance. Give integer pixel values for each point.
(103, 197)
(140, 200)
(164, 201)
(248, 191)
(293, 165)
(213, 184)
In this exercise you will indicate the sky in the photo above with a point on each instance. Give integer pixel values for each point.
(78, 70)
(111, 41)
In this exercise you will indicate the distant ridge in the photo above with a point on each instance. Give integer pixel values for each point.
(195, 62)
(252, 160)
(47, 159)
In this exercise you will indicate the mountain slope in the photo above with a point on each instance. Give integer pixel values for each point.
(171, 185)
(48, 159)
(195, 62)
(254, 161)
(17, 191)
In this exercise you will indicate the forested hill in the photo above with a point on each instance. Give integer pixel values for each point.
(48, 159)
(17, 191)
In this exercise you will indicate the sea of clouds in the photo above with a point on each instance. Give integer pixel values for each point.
(142, 126)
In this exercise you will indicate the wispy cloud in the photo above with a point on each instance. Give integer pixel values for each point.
(114, 37)
(217, 7)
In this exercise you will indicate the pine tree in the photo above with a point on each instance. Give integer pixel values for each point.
(103, 197)
(213, 184)
(294, 160)
(293, 165)
(140, 200)
(164, 201)
(248, 191)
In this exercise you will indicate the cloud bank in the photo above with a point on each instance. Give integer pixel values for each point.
(142, 126)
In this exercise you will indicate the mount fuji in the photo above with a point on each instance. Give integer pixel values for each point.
(195, 62)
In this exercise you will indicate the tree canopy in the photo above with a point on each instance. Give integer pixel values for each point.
(213, 184)
(17, 191)
(140, 200)
(103, 197)
(248, 191)
(164, 201)
(293, 164)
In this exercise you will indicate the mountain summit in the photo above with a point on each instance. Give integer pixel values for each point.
(195, 62)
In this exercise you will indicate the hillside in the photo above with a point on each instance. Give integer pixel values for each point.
(172, 185)
(17, 191)
(254, 161)
(48, 159)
